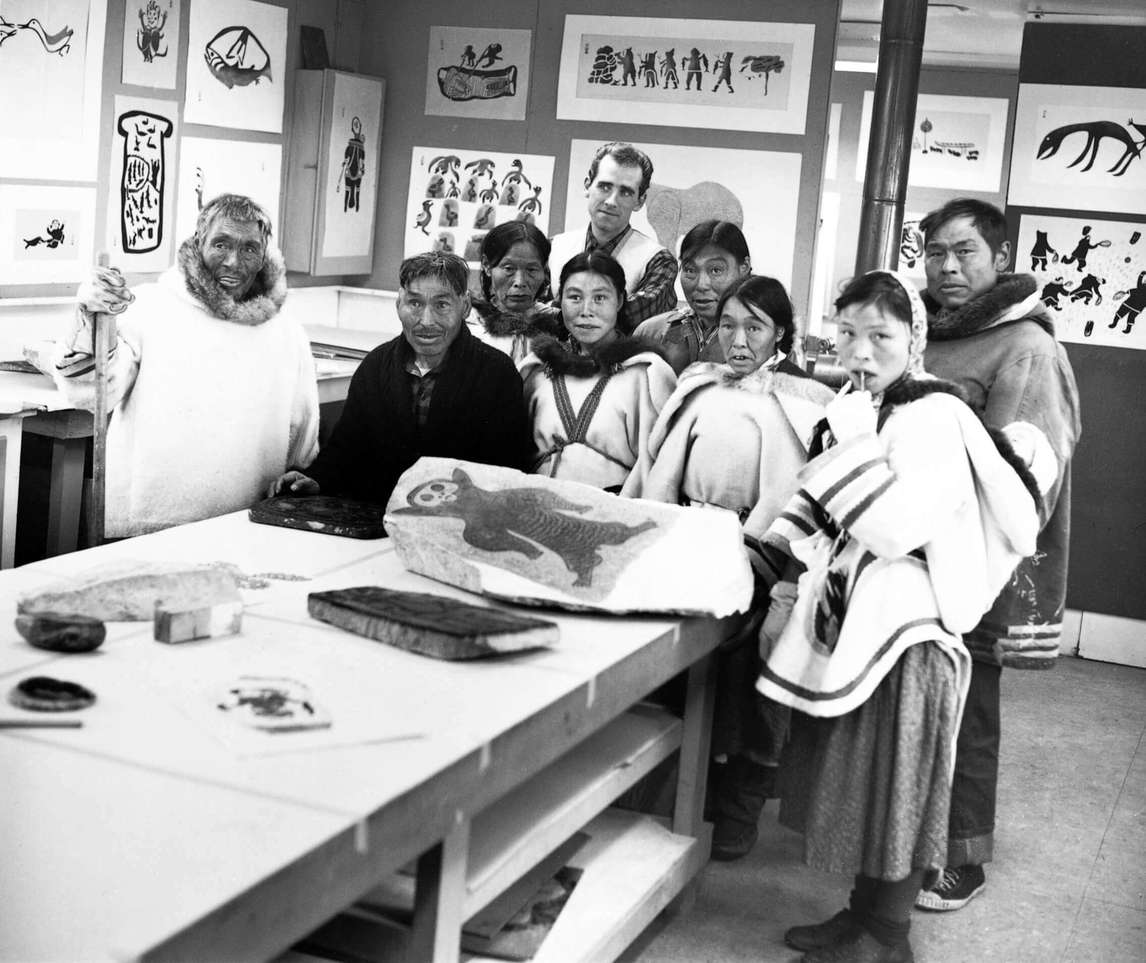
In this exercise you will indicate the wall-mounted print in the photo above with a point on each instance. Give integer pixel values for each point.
(719, 74)
(478, 72)
(1091, 275)
(911, 248)
(1080, 147)
(47, 234)
(209, 167)
(757, 189)
(957, 142)
(457, 195)
(141, 200)
(151, 43)
(351, 191)
(51, 71)
(236, 65)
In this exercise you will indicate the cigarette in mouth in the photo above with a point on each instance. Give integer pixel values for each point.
(861, 381)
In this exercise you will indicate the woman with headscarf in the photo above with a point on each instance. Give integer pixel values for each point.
(734, 436)
(909, 519)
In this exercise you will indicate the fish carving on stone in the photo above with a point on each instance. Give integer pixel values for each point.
(236, 58)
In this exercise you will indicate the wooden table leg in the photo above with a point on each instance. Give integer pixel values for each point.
(440, 898)
(65, 495)
(11, 441)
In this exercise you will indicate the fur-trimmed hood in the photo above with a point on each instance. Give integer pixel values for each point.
(560, 358)
(546, 320)
(264, 301)
(1015, 296)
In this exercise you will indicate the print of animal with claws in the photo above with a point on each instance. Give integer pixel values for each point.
(1096, 131)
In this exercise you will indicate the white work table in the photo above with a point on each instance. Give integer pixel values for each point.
(143, 836)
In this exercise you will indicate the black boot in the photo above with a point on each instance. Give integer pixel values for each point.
(743, 790)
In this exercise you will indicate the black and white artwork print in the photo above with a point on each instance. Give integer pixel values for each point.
(1091, 274)
(478, 72)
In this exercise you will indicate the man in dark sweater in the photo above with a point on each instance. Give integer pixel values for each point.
(435, 390)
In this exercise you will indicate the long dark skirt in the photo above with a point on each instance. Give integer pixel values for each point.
(871, 790)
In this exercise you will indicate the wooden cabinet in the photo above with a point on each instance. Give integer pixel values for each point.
(332, 173)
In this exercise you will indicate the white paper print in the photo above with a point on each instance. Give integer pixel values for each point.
(210, 167)
(457, 195)
(151, 43)
(729, 74)
(1080, 147)
(236, 65)
(957, 142)
(47, 234)
(911, 248)
(1091, 275)
(51, 71)
(478, 72)
(141, 192)
(756, 189)
(352, 166)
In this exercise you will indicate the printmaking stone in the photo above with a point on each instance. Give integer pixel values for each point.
(41, 693)
(62, 633)
(323, 514)
(537, 540)
(129, 591)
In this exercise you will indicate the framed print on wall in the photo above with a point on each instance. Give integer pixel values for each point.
(52, 55)
(47, 234)
(1080, 147)
(717, 74)
(477, 72)
(957, 142)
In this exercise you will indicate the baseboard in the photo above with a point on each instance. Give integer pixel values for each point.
(1112, 638)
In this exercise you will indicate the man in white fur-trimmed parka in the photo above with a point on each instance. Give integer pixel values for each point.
(212, 391)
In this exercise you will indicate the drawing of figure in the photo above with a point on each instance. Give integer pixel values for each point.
(1096, 131)
(668, 69)
(481, 167)
(198, 188)
(436, 186)
(910, 245)
(1039, 251)
(649, 68)
(489, 195)
(484, 219)
(510, 194)
(604, 63)
(1132, 306)
(447, 165)
(764, 65)
(1052, 291)
(628, 67)
(521, 519)
(424, 218)
(52, 237)
(1082, 250)
(449, 215)
(470, 191)
(468, 56)
(152, 22)
(695, 63)
(530, 208)
(723, 69)
(142, 186)
(353, 166)
(1088, 290)
(515, 175)
(444, 242)
(489, 56)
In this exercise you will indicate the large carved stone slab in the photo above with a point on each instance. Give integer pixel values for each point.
(540, 541)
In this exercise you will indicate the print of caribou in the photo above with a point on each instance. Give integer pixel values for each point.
(1096, 131)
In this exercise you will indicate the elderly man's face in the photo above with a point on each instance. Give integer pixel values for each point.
(431, 313)
(234, 252)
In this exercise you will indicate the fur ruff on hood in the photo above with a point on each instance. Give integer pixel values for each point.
(263, 302)
(759, 382)
(560, 359)
(984, 311)
(907, 390)
(545, 321)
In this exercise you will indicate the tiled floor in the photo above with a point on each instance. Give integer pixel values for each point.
(1069, 878)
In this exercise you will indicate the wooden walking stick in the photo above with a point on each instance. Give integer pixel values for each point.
(103, 336)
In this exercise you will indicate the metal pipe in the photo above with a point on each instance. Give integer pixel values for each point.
(892, 120)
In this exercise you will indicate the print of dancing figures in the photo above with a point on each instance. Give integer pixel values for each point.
(617, 66)
(1091, 276)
